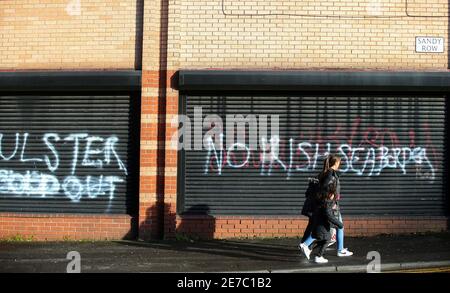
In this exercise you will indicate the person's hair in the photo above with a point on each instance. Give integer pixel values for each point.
(325, 194)
(329, 162)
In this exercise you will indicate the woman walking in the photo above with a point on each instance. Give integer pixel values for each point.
(328, 180)
(323, 220)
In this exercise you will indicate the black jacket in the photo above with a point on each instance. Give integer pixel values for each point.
(323, 220)
(330, 178)
(310, 203)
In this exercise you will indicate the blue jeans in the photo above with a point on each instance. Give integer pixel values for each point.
(339, 238)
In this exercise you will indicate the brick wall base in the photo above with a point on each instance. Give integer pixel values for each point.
(48, 227)
(42, 227)
(249, 227)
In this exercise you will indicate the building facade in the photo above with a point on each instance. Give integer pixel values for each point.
(92, 93)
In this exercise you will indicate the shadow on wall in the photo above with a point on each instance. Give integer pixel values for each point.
(195, 223)
(150, 228)
(159, 217)
(139, 34)
(133, 233)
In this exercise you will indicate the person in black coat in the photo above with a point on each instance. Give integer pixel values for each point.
(330, 177)
(322, 222)
(328, 182)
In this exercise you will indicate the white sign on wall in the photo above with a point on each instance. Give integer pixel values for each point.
(429, 45)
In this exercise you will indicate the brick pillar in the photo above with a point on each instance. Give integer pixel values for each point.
(159, 104)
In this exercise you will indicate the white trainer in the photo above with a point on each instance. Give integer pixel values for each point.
(331, 243)
(320, 259)
(344, 252)
(305, 250)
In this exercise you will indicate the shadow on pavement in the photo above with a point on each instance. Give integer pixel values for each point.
(253, 251)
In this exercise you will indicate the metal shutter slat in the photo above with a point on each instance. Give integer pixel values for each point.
(244, 191)
(100, 116)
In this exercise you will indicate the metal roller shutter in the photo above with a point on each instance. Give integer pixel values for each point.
(67, 154)
(392, 149)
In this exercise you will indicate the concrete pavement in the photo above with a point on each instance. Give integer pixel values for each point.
(255, 255)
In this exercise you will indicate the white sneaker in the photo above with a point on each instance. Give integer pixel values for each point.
(344, 252)
(320, 259)
(305, 250)
(331, 243)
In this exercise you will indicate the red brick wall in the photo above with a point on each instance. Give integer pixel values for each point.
(65, 226)
(44, 227)
(158, 162)
(243, 227)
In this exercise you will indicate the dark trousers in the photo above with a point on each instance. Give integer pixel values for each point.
(308, 230)
(320, 246)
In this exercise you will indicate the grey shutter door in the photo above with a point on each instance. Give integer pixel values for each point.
(392, 150)
(67, 154)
